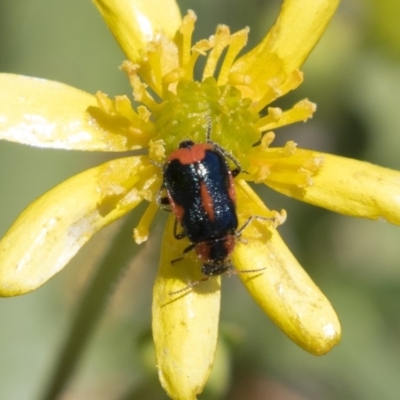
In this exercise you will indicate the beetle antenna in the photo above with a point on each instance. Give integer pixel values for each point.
(229, 272)
(208, 128)
(191, 285)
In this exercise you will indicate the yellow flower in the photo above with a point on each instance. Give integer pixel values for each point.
(174, 106)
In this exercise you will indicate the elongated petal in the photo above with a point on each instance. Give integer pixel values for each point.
(351, 187)
(134, 23)
(283, 290)
(297, 30)
(54, 227)
(185, 324)
(45, 113)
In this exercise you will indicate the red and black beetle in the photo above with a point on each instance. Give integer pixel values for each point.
(201, 193)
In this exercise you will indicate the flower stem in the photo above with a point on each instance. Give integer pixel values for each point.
(91, 306)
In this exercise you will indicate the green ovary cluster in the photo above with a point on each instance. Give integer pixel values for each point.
(199, 106)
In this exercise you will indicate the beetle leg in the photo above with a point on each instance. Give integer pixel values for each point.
(178, 235)
(238, 233)
(163, 201)
(164, 204)
(187, 249)
(176, 260)
(225, 154)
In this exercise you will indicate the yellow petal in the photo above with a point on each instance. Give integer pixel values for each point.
(45, 113)
(297, 30)
(135, 23)
(185, 324)
(283, 290)
(351, 187)
(54, 227)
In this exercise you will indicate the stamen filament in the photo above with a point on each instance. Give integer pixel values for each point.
(186, 30)
(236, 43)
(141, 232)
(221, 40)
(301, 111)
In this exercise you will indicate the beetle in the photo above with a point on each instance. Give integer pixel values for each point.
(201, 193)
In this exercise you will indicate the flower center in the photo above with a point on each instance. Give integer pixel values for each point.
(188, 113)
(183, 108)
(174, 106)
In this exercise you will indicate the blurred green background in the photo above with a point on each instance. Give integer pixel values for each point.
(354, 77)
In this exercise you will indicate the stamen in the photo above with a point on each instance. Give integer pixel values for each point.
(236, 43)
(186, 30)
(293, 81)
(141, 232)
(219, 41)
(140, 128)
(271, 93)
(161, 58)
(104, 103)
(301, 111)
(267, 139)
(119, 118)
(284, 167)
(151, 68)
(278, 87)
(199, 49)
(173, 76)
(274, 114)
(140, 93)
